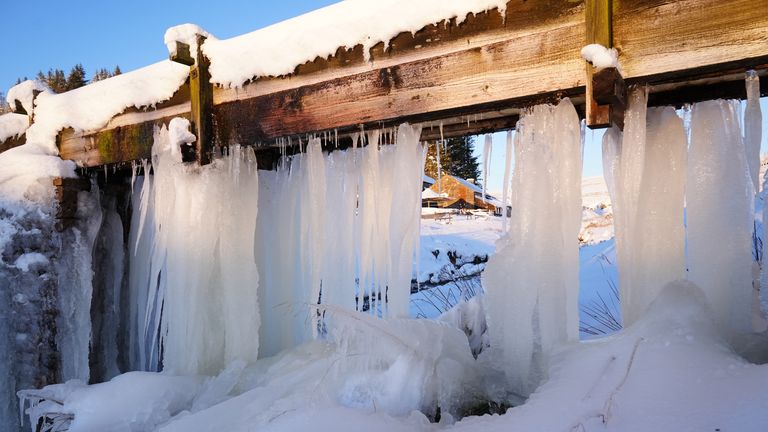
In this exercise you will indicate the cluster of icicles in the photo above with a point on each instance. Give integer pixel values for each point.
(230, 262)
(672, 185)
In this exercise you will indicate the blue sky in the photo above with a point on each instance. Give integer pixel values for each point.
(130, 34)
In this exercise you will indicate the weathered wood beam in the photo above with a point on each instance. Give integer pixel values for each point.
(486, 65)
(67, 191)
(12, 142)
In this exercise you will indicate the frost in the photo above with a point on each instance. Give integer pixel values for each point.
(278, 49)
(600, 56)
(24, 92)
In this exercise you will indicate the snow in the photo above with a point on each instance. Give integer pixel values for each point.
(531, 282)
(24, 92)
(600, 56)
(92, 106)
(12, 125)
(278, 49)
(185, 33)
(24, 262)
(134, 402)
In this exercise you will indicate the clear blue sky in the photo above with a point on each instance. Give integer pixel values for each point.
(130, 34)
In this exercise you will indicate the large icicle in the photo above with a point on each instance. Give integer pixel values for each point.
(194, 252)
(645, 174)
(719, 236)
(753, 127)
(531, 282)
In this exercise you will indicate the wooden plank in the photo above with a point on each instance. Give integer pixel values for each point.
(117, 145)
(664, 40)
(483, 66)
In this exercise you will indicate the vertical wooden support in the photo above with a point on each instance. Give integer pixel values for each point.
(201, 95)
(605, 87)
(67, 190)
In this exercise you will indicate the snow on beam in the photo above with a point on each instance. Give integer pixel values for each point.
(486, 64)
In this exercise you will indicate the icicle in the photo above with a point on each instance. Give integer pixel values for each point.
(507, 172)
(531, 286)
(719, 236)
(486, 162)
(753, 127)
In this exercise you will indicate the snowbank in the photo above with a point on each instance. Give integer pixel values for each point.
(24, 92)
(342, 25)
(12, 125)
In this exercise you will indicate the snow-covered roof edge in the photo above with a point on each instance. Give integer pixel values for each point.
(278, 49)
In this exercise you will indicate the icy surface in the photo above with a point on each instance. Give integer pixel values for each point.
(645, 172)
(92, 106)
(24, 92)
(193, 274)
(12, 125)
(719, 236)
(753, 128)
(357, 253)
(532, 282)
(30, 259)
(278, 49)
(600, 56)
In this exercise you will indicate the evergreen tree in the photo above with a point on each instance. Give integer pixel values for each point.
(54, 79)
(100, 75)
(463, 162)
(117, 71)
(76, 77)
(457, 158)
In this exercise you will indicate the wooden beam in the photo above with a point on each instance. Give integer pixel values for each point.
(12, 142)
(67, 191)
(486, 65)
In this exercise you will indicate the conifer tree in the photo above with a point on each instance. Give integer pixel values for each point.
(463, 163)
(76, 77)
(430, 165)
(117, 71)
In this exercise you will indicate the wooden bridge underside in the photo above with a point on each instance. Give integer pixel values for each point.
(473, 78)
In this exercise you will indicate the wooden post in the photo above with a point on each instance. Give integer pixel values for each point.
(67, 190)
(201, 96)
(605, 88)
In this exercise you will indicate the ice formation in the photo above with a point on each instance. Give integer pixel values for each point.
(719, 236)
(753, 128)
(532, 282)
(207, 265)
(357, 253)
(645, 170)
(342, 25)
(193, 277)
